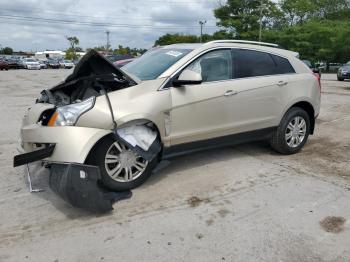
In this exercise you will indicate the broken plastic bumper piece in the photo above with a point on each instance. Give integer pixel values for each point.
(30, 157)
(78, 185)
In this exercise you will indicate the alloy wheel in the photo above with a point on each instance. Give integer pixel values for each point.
(295, 132)
(123, 164)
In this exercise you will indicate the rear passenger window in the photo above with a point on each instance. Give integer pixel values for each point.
(250, 63)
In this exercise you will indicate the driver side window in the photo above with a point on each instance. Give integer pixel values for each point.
(214, 65)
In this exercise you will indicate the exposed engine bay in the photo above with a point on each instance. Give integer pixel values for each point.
(93, 76)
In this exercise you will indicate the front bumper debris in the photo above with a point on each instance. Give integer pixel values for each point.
(78, 185)
(30, 157)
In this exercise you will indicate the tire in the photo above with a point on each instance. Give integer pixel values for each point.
(340, 79)
(98, 158)
(284, 140)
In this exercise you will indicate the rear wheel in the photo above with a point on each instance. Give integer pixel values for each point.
(121, 168)
(292, 133)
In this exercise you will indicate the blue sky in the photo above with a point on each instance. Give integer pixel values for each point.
(136, 23)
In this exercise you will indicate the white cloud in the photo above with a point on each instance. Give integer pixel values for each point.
(136, 23)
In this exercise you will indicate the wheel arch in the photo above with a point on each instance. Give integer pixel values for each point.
(129, 123)
(309, 109)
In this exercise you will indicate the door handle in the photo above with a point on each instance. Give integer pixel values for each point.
(282, 83)
(230, 93)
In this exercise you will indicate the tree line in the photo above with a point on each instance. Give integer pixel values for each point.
(318, 29)
(6, 51)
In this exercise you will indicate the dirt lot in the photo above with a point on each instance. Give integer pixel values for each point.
(241, 203)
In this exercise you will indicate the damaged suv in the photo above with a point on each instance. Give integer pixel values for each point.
(173, 100)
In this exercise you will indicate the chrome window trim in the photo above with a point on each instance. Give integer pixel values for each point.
(161, 88)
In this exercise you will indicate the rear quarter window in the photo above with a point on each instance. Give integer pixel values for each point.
(283, 65)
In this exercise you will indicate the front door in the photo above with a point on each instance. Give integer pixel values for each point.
(199, 112)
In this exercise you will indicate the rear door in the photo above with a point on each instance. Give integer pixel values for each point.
(260, 79)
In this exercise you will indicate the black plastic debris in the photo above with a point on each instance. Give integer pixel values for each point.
(78, 185)
(37, 155)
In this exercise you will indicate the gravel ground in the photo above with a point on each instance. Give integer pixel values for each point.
(243, 203)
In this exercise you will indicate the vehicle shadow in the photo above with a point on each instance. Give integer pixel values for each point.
(40, 175)
(207, 157)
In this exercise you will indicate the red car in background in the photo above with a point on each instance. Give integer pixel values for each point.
(4, 65)
(121, 63)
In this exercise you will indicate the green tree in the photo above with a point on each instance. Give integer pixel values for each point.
(315, 40)
(241, 18)
(129, 51)
(300, 11)
(71, 52)
(122, 50)
(332, 9)
(169, 39)
(6, 51)
(297, 11)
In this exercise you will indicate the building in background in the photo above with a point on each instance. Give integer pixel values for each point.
(50, 54)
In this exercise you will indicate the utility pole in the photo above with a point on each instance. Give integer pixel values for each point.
(202, 23)
(260, 20)
(108, 44)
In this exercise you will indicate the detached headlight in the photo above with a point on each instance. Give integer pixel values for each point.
(69, 115)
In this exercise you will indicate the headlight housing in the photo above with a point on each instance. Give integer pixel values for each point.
(69, 115)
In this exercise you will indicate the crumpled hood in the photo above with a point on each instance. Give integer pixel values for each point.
(94, 64)
(92, 76)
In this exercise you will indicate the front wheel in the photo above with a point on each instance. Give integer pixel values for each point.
(121, 168)
(292, 133)
(340, 79)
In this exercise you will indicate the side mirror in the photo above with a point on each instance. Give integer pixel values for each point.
(188, 77)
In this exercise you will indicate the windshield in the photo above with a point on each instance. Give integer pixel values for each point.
(153, 63)
(67, 61)
(30, 60)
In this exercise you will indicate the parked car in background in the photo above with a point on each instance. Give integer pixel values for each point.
(54, 64)
(14, 63)
(344, 72)
(172, 100)
(43, 64)
(121, 63)
(333, 67)
(67, 64)
(31, 63)
(313, 67)
(4, 65)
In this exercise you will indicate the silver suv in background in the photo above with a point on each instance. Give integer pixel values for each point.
(31, 63)
(172, 100)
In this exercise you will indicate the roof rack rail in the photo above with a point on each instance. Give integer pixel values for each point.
(243, 42)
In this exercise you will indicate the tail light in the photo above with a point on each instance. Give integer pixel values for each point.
(318, 77)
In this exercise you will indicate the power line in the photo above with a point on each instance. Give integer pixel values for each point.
(76, 14)
(94, 24)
